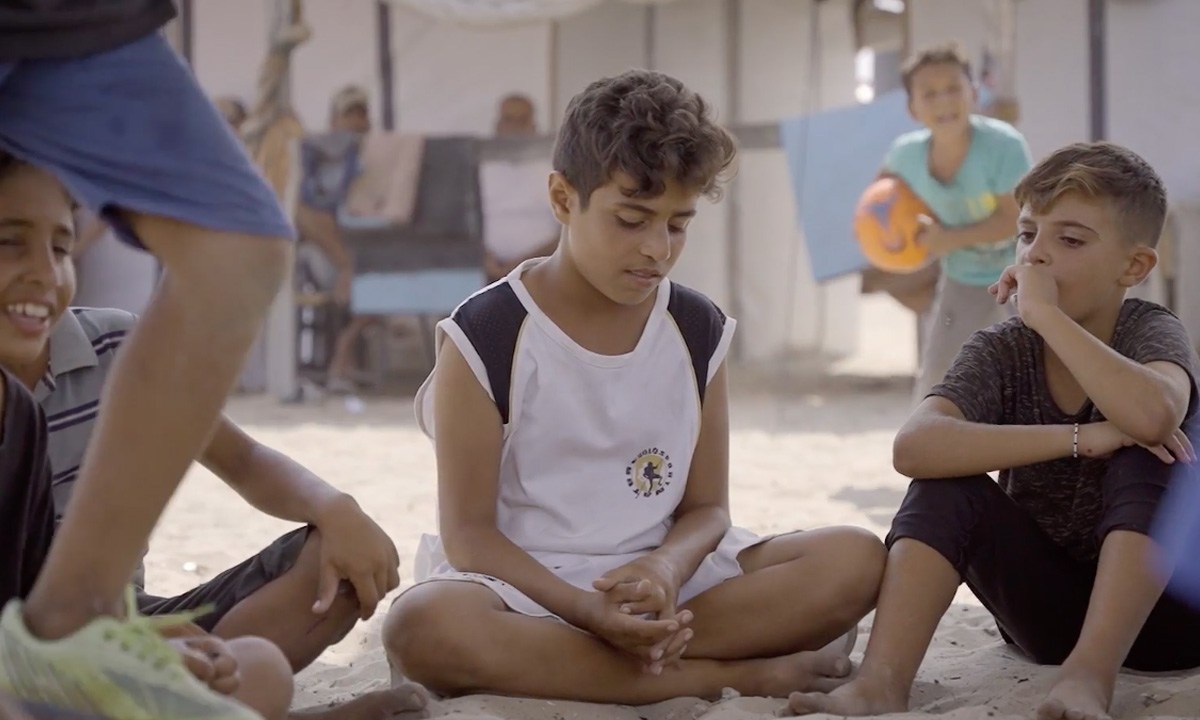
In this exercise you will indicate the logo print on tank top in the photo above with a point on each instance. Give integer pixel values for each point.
(650, 473)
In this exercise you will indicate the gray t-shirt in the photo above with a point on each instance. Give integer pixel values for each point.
(999, 378)
(83, 348)
(61, 29)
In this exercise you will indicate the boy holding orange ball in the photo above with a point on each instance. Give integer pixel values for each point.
(964, 167)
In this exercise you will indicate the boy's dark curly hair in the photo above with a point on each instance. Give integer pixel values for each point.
(646, 125)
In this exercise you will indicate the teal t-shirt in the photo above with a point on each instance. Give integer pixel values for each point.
(995, 162)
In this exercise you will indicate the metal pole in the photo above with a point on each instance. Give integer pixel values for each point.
(650, 29)
(554, 112)
(387, 79)
(733, 72)
(1097, 82)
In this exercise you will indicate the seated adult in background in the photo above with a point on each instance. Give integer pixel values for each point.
(322, 255)
(517, 221)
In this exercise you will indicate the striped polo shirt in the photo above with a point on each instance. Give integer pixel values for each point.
(83, 347)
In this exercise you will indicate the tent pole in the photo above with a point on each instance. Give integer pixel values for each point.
(650, 29)
(387, 75)
(1097, 47)
(553, 112)
(733, 72)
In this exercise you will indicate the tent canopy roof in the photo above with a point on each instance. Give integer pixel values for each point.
(501, 12)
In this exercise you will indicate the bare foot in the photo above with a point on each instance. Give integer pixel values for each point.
(379, 705)
(855, 698)
(821, 671)
(1076, 695)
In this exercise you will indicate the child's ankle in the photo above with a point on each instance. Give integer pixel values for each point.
(1085, 667)
(883, 682)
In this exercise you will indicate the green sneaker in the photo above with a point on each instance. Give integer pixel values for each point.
(119, 669)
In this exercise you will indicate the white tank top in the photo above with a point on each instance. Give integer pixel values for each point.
(596, 448)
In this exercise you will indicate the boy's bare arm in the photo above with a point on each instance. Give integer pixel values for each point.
(468, 434)
(1147, 402)
(353, 546)
(938, 442)
(1000, 225)
(702, 517)
(269, 480)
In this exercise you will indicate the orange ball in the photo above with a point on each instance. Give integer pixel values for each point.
(886, 225)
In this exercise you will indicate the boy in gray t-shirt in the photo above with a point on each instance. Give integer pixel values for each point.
(1084, 404)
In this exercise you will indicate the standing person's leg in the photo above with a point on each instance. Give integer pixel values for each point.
(131, 134)
(958, 312)
(947, 531)
(342, 364)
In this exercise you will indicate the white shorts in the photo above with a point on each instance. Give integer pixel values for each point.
(581, 570)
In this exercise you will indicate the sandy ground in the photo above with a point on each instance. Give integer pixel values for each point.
(807, 450)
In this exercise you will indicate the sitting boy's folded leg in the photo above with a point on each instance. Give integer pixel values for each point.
(230, 587)
(946, 531)
(1036, 591)
(927, 556)
(1133, 487)
(270, 595)
(458, 637)
(799, 591)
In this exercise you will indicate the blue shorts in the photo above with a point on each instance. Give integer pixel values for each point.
(130, 129)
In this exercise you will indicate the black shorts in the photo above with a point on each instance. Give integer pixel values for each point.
(232, 586)
(1037, 592)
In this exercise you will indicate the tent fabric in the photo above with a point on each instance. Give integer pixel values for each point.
(502, 12)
